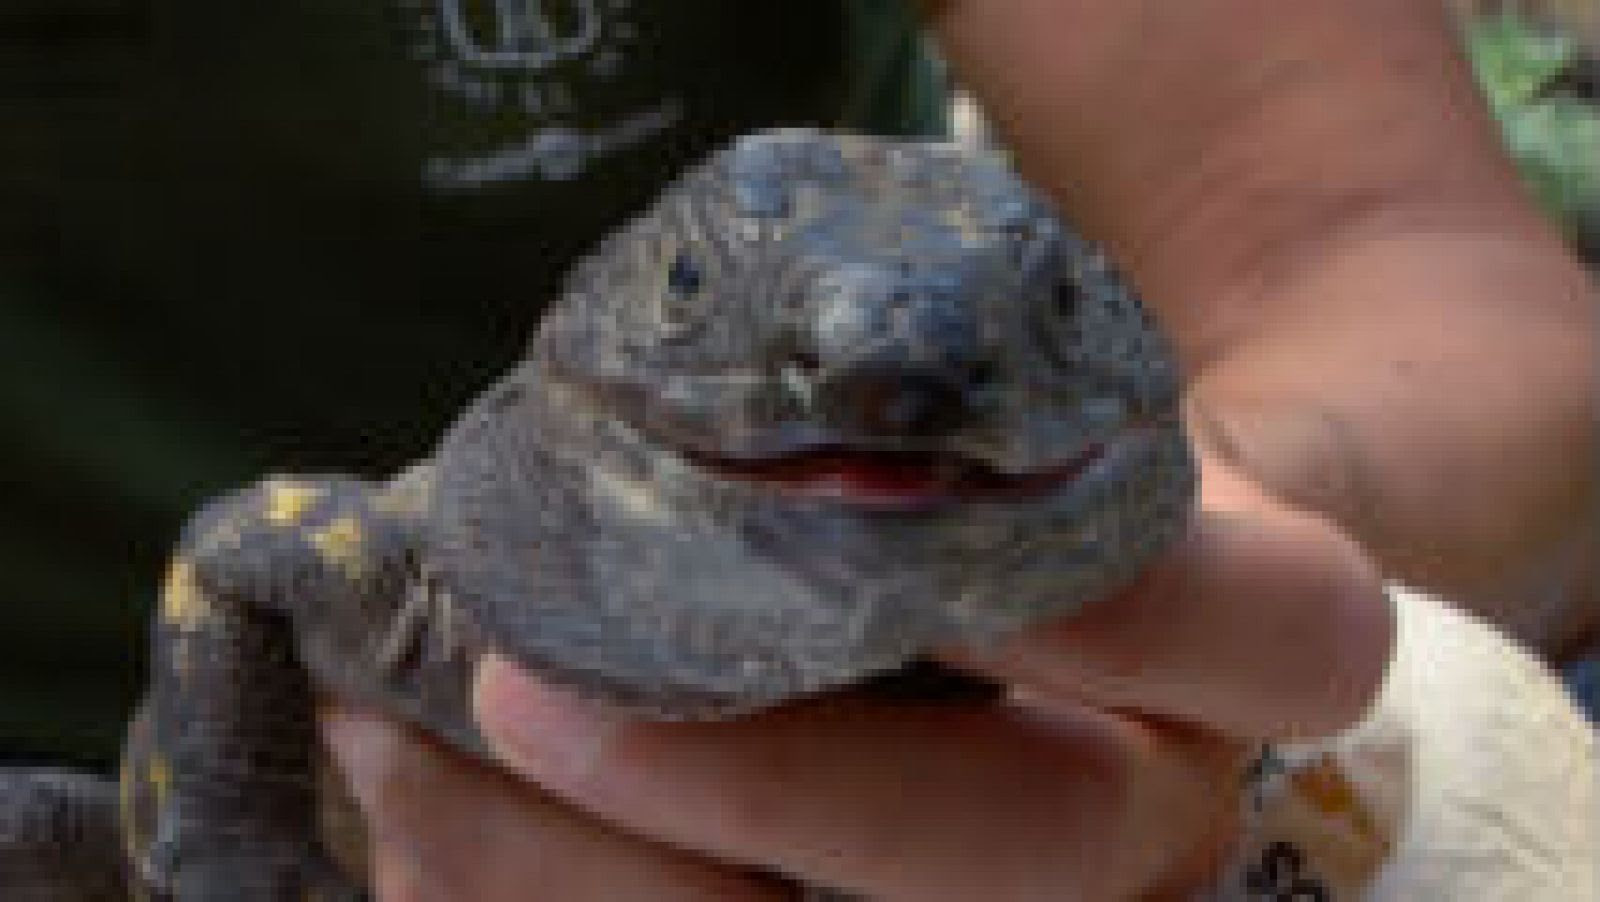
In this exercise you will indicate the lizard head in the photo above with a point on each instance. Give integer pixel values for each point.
(894, 325)
(823, 377)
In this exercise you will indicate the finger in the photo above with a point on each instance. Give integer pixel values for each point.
(929, 801)
(444, 828)
(1262, 622)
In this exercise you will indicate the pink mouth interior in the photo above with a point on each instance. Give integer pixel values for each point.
(878, 480)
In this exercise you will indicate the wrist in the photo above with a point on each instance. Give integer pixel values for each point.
(1434, 395)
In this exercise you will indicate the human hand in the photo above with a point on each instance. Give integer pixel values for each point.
(1377, 324)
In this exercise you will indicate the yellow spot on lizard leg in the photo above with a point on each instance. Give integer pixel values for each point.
(158, 776)
(342, 544)
(183, 604)
(132, 842)
(288, 502)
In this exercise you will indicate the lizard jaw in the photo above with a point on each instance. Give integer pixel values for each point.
(875, 480)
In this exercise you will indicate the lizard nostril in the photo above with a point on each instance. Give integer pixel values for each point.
(805, 361)
(894, 401)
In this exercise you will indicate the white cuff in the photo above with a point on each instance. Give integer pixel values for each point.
(1473, 778)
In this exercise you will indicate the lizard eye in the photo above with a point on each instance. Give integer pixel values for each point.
(1061, 321)
(1066, 298)
(683, 278)
(681, 299)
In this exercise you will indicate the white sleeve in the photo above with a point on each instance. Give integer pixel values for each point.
(1472, 779)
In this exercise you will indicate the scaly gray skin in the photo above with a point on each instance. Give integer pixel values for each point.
(831, 402)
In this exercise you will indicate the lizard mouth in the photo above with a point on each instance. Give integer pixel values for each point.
(880, 479)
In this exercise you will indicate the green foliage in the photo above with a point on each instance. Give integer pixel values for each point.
(1555, 139)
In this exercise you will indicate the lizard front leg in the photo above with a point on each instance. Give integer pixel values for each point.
(220, 783)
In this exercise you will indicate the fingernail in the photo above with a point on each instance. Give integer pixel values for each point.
(545, 733)
(365, 746)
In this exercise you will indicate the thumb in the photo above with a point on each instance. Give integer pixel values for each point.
(1262, 622)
